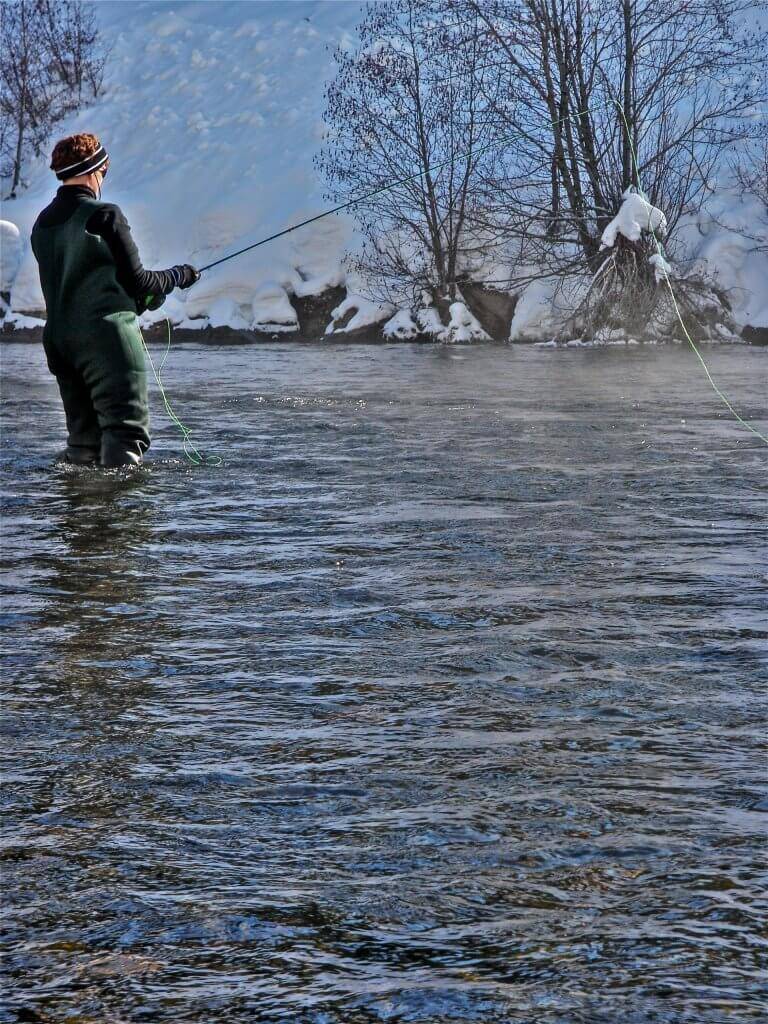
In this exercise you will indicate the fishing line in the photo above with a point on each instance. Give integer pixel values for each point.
(193, 454)
(197, 458)
(667, 281)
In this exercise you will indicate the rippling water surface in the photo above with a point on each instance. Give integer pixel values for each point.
(442, 700)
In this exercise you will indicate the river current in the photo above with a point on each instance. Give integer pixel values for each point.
(441, 700)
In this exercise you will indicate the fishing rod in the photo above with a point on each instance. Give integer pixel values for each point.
(373, 194)
(193, 454)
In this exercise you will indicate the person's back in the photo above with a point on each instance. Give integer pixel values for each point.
(94, 286)
(78, 273)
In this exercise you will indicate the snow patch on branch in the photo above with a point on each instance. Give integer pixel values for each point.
(635, 216)
(661, 268)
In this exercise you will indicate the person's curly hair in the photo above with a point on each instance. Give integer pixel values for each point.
(73, 149)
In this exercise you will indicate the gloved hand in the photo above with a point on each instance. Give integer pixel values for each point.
(184, 275)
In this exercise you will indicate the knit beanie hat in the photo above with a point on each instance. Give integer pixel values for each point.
(77, 154)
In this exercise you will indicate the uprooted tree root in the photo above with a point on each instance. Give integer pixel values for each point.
(628, 295)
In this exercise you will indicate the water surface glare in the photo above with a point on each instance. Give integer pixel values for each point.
(442, 700)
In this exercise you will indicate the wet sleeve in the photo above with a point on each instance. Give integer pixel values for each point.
(110, 224)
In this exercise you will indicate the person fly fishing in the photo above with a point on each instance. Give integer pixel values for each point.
(94, 286)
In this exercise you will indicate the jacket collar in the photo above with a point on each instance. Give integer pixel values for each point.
(72, 191)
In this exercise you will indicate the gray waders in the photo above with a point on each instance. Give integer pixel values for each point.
(92, 344)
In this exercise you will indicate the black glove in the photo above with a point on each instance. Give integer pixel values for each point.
(184, 275)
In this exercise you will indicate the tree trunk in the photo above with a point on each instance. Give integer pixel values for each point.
(628, 174)
(17, 160)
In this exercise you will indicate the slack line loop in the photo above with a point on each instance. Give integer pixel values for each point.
(193, 454)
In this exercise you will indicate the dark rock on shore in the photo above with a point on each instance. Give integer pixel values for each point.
(10, 333)
(755, 335)
(314, 311)
(493, 309)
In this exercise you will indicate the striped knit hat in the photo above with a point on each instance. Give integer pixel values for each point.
(77, 154)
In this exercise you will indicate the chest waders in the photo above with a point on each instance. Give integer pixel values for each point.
(92, 343)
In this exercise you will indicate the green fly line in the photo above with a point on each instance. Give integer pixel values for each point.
(668, 282)
(192, 452)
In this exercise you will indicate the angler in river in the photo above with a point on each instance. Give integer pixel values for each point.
(94, 286)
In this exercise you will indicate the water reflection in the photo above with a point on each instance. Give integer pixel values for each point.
(91, 560)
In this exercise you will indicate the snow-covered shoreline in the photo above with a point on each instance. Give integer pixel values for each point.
(212, 115)
(23, 329)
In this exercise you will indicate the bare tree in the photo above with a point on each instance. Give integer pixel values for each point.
(50, 63)
(751, 173)
(412, 101)
(597, 83)
(605, 96)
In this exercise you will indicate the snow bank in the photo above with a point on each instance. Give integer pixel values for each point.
(463, 325)
(22, 322)
(330, 277)
(225, 312)
(430, 323)
(401, 326)
(26, 294)
(272, 310)
(211, 114)
(535, 314)
(635, 216)
(366, 314)
(10, 254)
(722, 249)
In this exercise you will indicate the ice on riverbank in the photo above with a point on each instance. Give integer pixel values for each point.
(356, 312)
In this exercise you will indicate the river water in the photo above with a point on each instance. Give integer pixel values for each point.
(441, 700)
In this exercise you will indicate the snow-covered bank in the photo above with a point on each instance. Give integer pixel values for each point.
(212, 114)
(720, 258)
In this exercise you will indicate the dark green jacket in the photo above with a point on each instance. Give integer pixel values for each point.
(78, 276)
